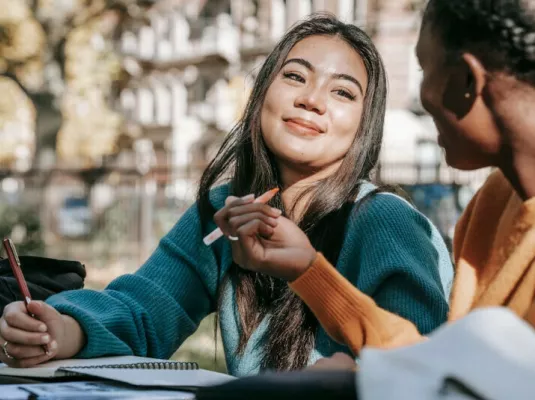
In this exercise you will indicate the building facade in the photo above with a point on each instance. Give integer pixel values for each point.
(192, 65)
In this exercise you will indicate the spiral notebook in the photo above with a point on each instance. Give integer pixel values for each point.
(137, 371)
(52, 369)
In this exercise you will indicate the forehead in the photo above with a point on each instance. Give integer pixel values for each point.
(330, 54)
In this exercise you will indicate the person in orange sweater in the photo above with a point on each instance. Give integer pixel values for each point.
(478, 61)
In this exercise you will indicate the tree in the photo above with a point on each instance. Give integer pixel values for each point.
(60, 55)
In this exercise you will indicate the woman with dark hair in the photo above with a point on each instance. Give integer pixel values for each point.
(478, 61)
(313, 128)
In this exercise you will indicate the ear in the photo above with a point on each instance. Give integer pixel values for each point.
(465, 83)
(477, 71)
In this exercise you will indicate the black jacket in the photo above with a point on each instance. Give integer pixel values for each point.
(45, 277)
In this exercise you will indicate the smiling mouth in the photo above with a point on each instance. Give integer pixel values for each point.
(301, 128)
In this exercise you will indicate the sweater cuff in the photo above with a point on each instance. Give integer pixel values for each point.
(329, 295)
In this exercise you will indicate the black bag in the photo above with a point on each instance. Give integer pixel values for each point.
(305, 385)
(45, 277)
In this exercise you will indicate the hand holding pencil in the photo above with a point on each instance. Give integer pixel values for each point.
(32, 332)
(263, 199)
(267, 242)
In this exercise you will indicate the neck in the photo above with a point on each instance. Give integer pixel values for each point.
(295, 182)
(518, 169)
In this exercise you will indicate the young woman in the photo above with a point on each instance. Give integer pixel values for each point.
(313, 128)
(478, 60)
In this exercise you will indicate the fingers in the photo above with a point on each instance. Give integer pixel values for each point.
(335, 362)
(43, 312)
(237, 222)
(24, 356)
(221, 217)
(21, 352)
(19, 336)
(253, 228)
(248, 246)
(238, 207)
(16, 316)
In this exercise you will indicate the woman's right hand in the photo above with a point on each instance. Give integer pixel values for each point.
(25, 336)
(267, 242)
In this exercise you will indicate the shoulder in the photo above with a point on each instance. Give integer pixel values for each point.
(387, 211)
(191, 219)
(387, 233)
(218, 195)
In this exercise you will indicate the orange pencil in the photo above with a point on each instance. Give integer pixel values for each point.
(217, 233)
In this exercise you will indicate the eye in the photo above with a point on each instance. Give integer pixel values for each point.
(294, 77)
(345, 93)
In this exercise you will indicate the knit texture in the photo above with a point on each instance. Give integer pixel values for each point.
(494, 246)
(495, 251)
(390, 252)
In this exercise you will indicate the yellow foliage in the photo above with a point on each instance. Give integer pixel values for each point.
(17, 120)
(26, 39)
(14, 11)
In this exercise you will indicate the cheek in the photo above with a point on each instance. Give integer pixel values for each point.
(431, 90)
(268, 112)
(346, 121)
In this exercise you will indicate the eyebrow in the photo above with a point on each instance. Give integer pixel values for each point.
(311, 68)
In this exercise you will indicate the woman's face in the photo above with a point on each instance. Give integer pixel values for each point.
(465, 125)
(313, 108)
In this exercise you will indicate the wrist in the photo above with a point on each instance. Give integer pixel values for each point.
(73, 338)
(310, 257)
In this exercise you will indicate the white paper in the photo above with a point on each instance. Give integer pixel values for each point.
(491, 351)
(97, 390)
(13, 392)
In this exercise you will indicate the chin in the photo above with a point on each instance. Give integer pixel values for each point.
(465, 163)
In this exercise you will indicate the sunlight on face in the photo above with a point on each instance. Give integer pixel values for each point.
(313, 108)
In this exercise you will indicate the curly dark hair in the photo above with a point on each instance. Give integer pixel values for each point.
(501, 33)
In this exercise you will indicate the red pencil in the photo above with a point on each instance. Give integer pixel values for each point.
(14, 262)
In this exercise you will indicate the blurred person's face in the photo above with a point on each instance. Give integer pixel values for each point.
(450, 93)
(313, 108)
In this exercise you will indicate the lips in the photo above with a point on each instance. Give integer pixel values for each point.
(303, 127)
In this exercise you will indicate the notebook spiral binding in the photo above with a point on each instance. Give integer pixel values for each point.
(174, 365)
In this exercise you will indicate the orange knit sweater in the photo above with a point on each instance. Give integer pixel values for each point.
(494, 247)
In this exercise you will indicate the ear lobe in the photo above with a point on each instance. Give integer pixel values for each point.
(465, 83)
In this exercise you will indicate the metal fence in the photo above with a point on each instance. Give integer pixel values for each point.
(111, 220)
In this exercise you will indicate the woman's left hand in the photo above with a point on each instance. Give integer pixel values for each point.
(336, 362)
(267, 242)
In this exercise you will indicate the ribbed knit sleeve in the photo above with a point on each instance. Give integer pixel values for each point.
(151, 312)
(391, 282)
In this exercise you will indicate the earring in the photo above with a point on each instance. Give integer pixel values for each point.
(467, 95)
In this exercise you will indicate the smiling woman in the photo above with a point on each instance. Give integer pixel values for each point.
(312, 128)
(313, 108)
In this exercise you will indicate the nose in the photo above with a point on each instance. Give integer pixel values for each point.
(312, 100)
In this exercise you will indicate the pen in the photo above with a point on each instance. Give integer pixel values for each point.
(217, 233)
(14, 261)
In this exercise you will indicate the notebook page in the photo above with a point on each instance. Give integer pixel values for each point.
(177, 379)
(48, 370)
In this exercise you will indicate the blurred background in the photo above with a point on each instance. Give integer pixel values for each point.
(110, 110)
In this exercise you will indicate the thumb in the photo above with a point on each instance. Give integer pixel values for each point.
(42, 311)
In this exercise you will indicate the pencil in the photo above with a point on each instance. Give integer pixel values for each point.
(217, 233)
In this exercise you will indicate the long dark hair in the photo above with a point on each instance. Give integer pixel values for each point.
(245, 158)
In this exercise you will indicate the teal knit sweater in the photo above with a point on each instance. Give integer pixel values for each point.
(391, 252)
